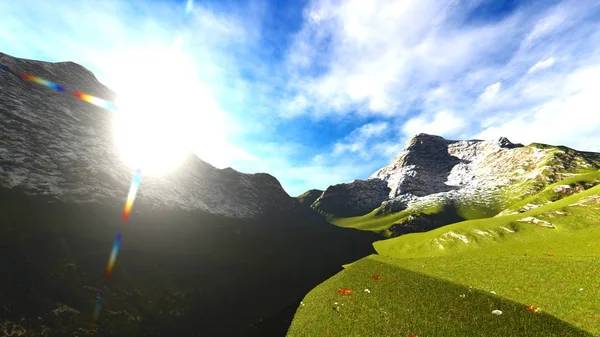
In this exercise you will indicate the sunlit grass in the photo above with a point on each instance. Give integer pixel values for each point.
(404, 302)
(556, 269)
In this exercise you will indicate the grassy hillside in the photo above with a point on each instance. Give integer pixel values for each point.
(553, 264)
(405, 302)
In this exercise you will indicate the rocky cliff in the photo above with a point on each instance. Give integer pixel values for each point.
(355, 198)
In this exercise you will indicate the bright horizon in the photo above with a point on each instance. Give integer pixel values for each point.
(324, 92)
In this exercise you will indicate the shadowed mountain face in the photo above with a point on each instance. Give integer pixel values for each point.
(55, 144)
(206, 252)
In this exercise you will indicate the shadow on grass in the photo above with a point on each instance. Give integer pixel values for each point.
(404, 302)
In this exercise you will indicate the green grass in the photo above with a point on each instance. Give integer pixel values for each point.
(548, 195)
(377, 223)
(404, 302)
(370, 221)
(425, 244)
(530, 265)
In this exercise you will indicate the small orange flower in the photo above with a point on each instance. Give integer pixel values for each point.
(533, 308)
(345, 291)
(376, 277)
(413, 335)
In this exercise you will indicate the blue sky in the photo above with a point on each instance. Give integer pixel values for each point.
(324, 92)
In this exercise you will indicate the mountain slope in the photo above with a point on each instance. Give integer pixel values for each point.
(55, 144)
(435, 181)
(308, 198)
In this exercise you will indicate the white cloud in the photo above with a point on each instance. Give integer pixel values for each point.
(541, 65)
(559, 18)
(443, 123)
(490, 91)
(378, 57)
(358, 140)
(570, 118)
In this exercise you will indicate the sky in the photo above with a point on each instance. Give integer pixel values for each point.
(324, 92)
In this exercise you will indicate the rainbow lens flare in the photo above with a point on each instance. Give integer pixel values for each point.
(135, 184)
(188, 7)
(98, 307)
(108, 105)
(32, 78)
(113, 256)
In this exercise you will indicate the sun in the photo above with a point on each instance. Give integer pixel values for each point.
(163, 113)
(151, 136)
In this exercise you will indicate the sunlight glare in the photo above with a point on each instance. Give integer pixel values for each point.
(164, 112)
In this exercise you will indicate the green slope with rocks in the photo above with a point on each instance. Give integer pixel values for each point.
(494, 179)
(447, 281)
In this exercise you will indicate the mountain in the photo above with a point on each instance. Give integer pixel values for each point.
(206, 252)
(309, 197)
(434, 182)
(55, 144)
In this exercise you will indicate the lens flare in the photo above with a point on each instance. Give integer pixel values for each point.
(135, 184)
(31, 78)
(188, 7)
(98, 307)
(108, 105)
(113, 256)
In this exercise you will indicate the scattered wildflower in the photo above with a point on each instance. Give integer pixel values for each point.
(345, 291)
(580, 289)
(497, 312)
(367, 291)
(413, 334)
(493, 292)
(302, 303)
(376, 277)
(533, 308)
(463, 295)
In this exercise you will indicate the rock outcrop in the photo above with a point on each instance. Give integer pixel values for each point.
(356, 198)
(309, 197)
(421, 169)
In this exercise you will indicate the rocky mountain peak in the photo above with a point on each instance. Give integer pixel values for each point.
(433, 170)
(507, 144)
(425, 160)
(424, 140)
